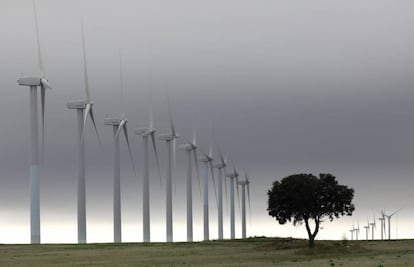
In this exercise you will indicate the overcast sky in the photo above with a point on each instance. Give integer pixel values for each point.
(286, 87)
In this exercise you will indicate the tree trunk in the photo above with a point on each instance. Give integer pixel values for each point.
(310, 234)
(311, 242)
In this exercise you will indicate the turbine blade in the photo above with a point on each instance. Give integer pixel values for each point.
(43, 102)
(85, 117)
(214, 179)
(151, 119)
(237, 187)
(121, 81)
(210, 152)
(174, 143)
(39, 52)
(194, 137)
(129, 147)
(120, 127)
(87, 93)
(96, 129)
(225, 189)
(154, 146)
(171, 119)
(197, 172)
(250, 209)
(395, 212)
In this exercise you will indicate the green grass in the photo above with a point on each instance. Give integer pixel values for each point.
(248, 252)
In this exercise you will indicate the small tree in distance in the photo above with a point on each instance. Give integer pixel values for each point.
(306, 198)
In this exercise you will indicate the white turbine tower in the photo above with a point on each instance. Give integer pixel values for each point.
(382, 222)
(389, 222)
(190, 149)
(373, 225)
(220, 167)
(84, 110)
(367, 229)
(352, 230)
(356, 230)
(118, 124)
(34, 171)
(244, 184)
(207, 159)
(170, 139)
(232, 176)
(147, 132)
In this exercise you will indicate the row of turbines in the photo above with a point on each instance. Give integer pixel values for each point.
(84, 109)
(384, 219)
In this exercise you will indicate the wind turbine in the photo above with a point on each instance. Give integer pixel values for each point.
(352, 232)
(367, 229)
(190, 148)
(170, 139)
(207, 159)
(118, 124)
(244, 184)
(382, 220)
(147, 132)
(233, 176)
(389, 222)
(84, 110)
(373, 225)
(220, 166)
(357, 232)
(34, 171)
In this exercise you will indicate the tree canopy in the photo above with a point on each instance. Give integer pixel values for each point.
(306, 198)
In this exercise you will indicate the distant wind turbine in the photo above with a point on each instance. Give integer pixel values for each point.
(34, 171)
(357, 232)
(389, 222)
(84, 110)
(382, 222)
(367, 229)
(146, 132)
(233, 176)
(170, 139)
(244, 184)
(190, 149)
(220, 167)
(207, 159)
(119, 124)
(373, 225)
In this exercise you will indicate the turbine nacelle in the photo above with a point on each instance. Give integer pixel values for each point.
(78, 104)
(167, 137)
(113, 121)
(144, 131)
(29, 81)
(186, 147)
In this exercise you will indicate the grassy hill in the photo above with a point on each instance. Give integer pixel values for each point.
(248, 252)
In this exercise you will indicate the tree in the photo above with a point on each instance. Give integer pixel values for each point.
(307, 198)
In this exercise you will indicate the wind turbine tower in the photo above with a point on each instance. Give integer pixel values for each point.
(389, 222)
(147, 132)
(382, 222)
(170, 139)
(233, 176)
(220, 166)
(357, 232)
(367, 229)
(190, 148)
(207, 159)
(244, 184)
(84, 110)
(373, 225)
(118, 124)
(34, 171)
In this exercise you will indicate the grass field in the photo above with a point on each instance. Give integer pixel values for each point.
(248, 252)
